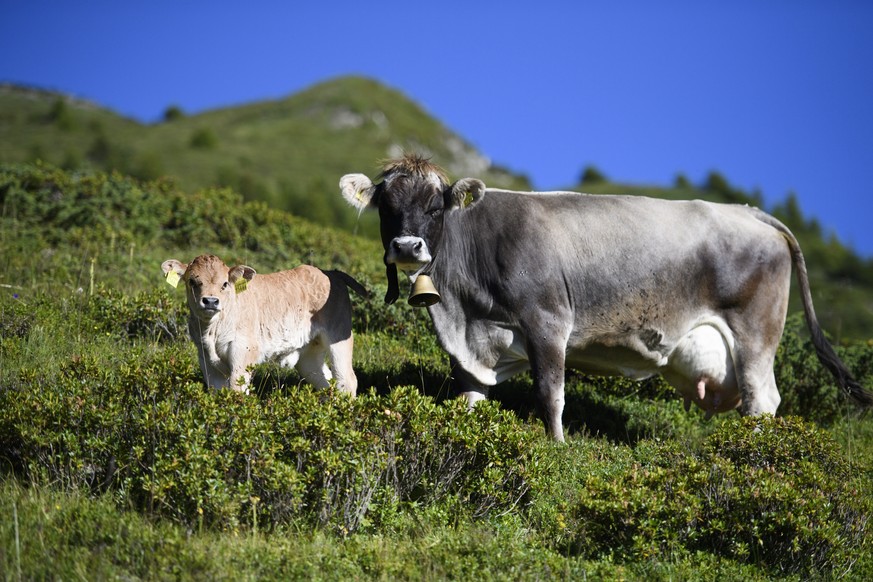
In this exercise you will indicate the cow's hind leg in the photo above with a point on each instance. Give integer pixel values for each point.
(757, 382)
(757, 319)
(757, 341)
(547, 368)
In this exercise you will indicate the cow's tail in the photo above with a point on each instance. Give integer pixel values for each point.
(352, 284)
(826, 354)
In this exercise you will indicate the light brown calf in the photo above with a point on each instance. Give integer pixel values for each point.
(294, 318)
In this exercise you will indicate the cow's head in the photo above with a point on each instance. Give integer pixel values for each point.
(211, 287)
(413, 199)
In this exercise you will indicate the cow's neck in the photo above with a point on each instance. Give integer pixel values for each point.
(460, 265)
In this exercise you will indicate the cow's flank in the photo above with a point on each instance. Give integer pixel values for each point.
(629, 285)
(297, 318)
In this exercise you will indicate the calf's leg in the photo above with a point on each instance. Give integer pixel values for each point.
(311, 365)
(340, 356)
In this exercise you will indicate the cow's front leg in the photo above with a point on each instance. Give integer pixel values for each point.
(466, 386)
(547, 369)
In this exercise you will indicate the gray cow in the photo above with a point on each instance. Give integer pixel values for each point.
(613, 285)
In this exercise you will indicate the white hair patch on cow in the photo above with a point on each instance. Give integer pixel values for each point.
(434, 179)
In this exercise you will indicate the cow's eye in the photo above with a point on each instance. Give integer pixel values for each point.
(225, 286)
(435, 211)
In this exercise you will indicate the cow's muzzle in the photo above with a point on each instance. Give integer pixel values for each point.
(409, 253)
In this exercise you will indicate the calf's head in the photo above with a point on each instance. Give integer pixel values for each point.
(210, 285)
(413, 199)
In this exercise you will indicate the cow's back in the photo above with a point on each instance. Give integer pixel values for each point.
(521, 241)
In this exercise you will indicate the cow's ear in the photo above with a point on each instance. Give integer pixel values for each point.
(465, 192)
(241, 271)
(358, 190)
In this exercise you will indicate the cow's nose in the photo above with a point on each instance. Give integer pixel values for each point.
(209, 302)
(408, 252)
(408, 246)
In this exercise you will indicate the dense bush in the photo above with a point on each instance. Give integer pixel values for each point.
(771, 492)
(98, 211)
(145, 429)
(204, 138)
(153, 315)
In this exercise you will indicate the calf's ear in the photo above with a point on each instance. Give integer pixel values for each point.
(358, 190)
(465, 192)
(174, 266)
(241, 271)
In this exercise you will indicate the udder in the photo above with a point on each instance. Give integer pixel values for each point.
(701, 369)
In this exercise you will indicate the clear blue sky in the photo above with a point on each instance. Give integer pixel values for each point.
(776, 95)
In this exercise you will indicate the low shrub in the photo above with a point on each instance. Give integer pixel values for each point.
(92, 211)
(627, 411)
(806, 388)
(204, 139)
(145, 430)
(772, 492)
(152, 315)
(16, 317)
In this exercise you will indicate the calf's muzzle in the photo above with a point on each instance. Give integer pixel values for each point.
(209, 303)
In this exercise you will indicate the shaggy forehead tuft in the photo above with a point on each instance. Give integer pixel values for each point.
(414, 165)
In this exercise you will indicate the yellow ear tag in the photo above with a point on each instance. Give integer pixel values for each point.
(359, 196)
(173, 278)
(468, 199)
(240, 284)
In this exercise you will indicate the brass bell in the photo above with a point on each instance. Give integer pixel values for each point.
(424, 294)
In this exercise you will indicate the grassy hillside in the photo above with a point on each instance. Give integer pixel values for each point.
(290, 154)
(118, 463)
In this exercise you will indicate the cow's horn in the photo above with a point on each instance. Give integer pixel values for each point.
(424, 294)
